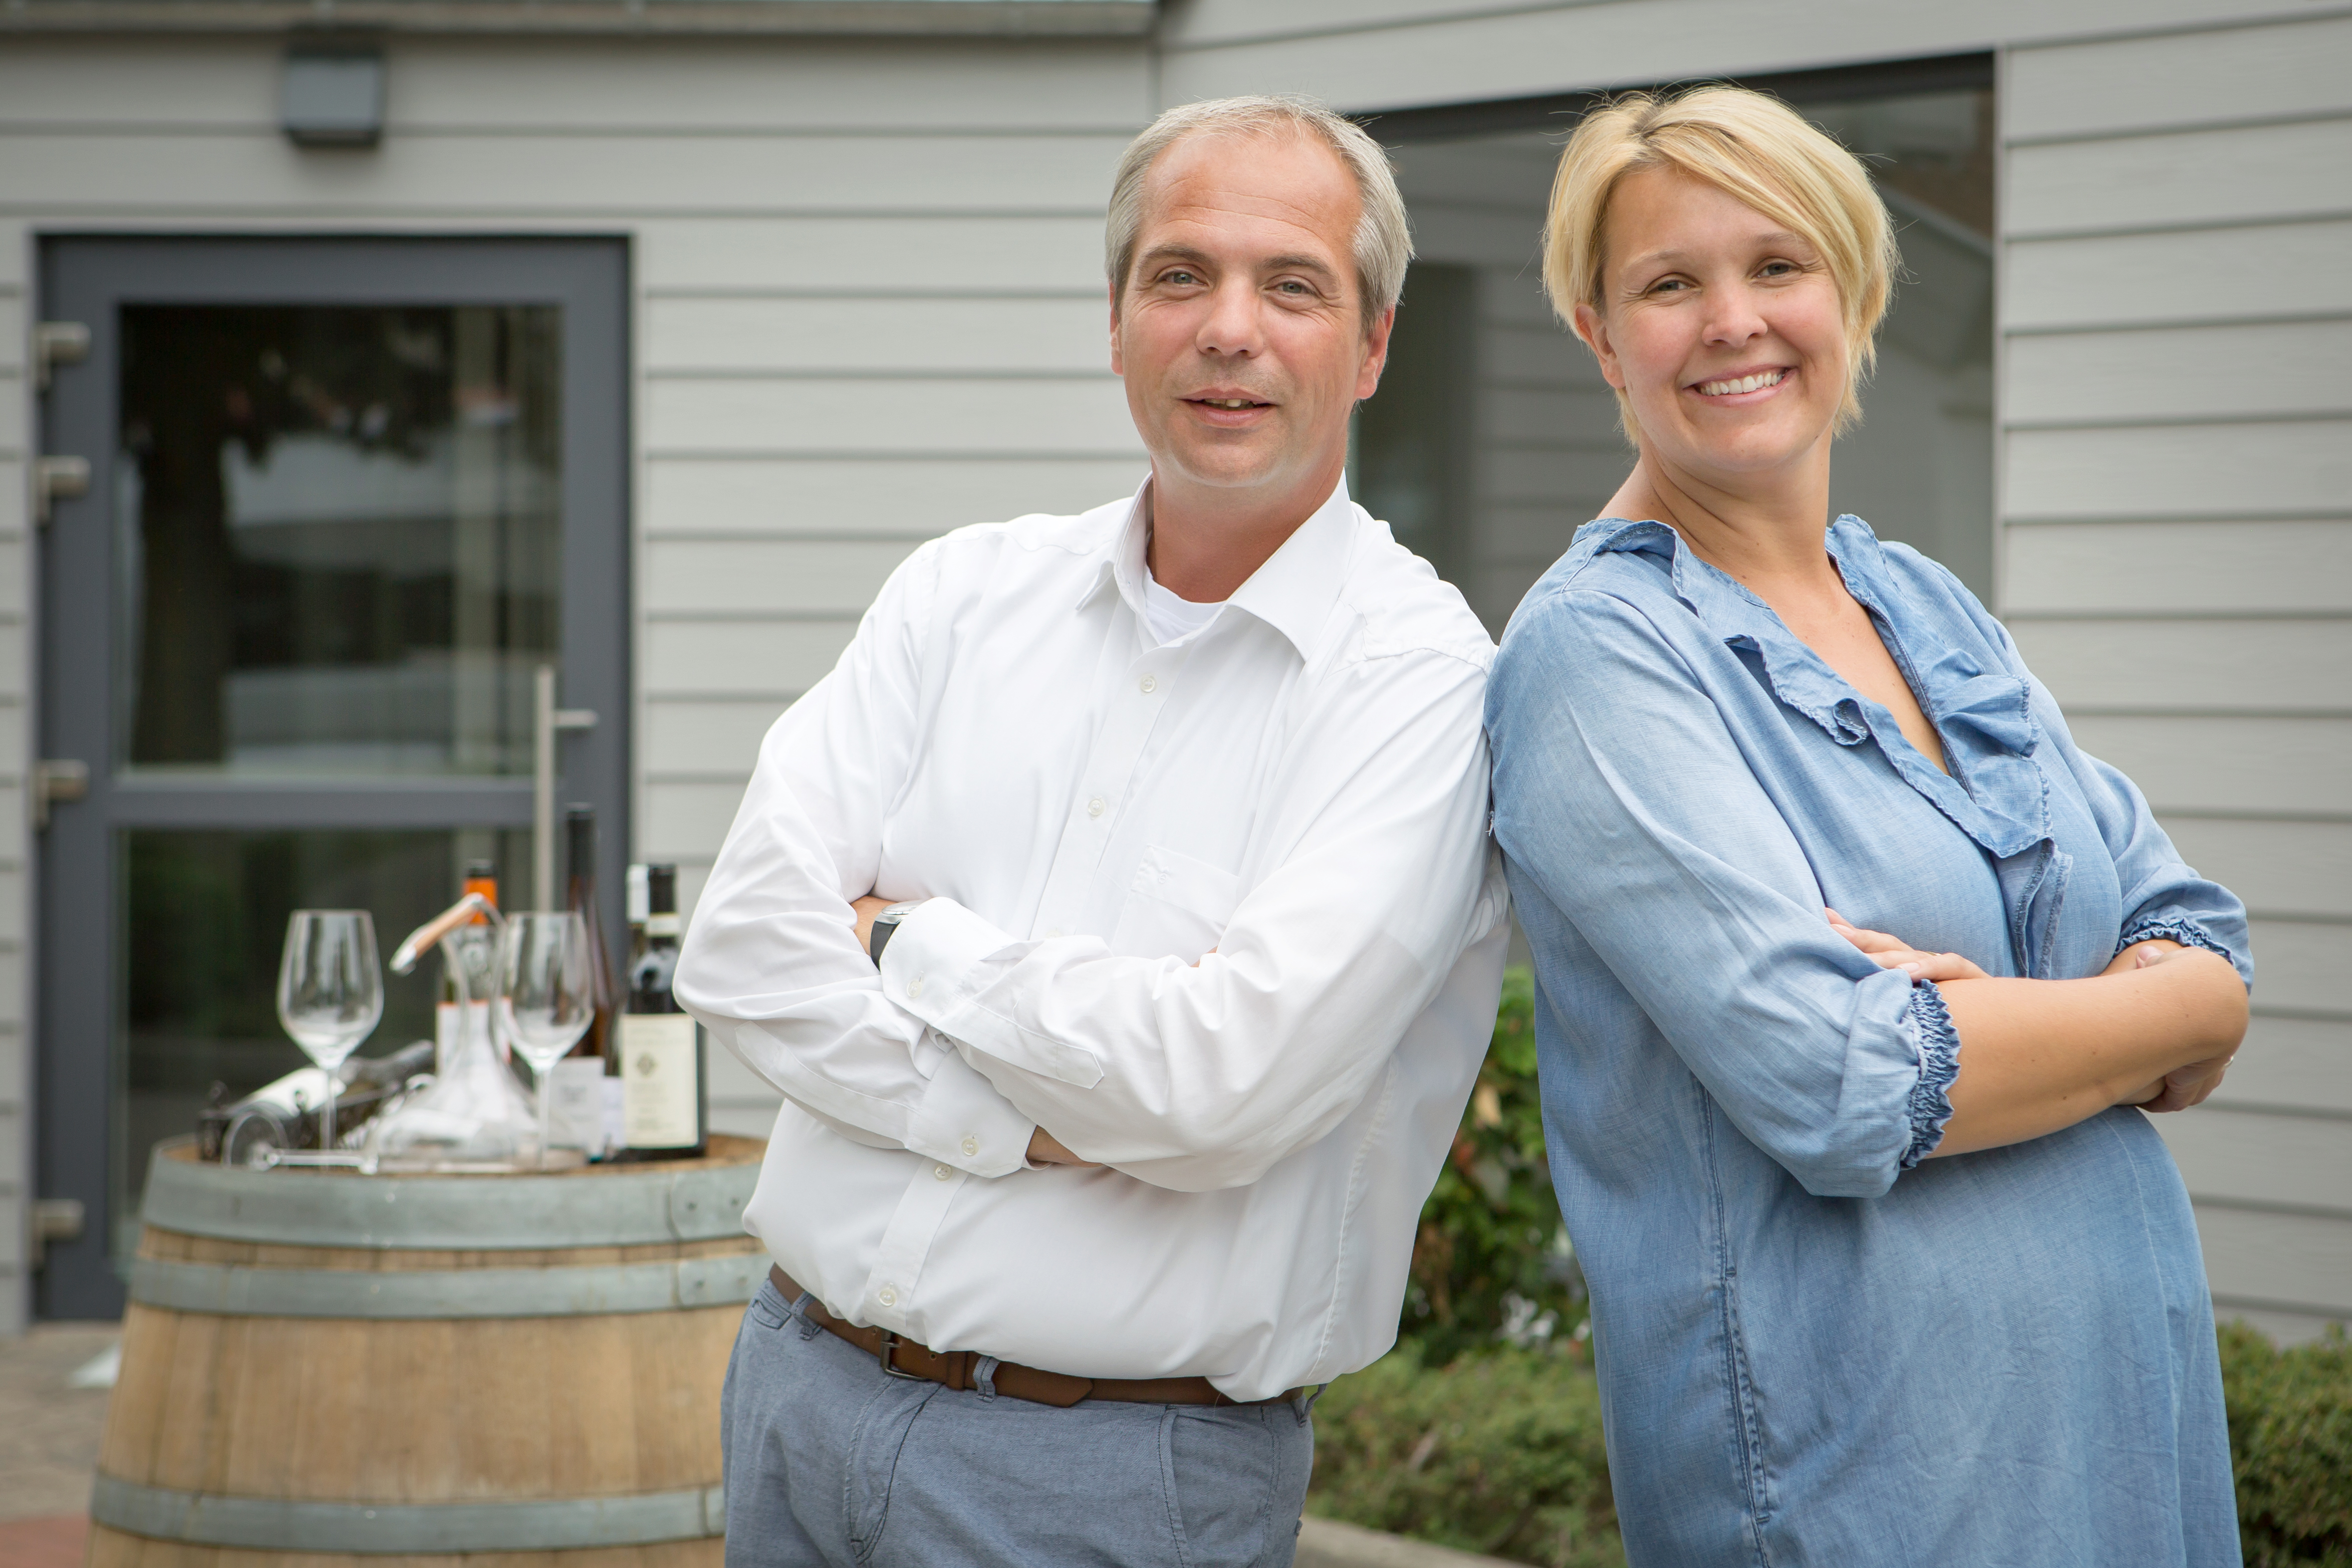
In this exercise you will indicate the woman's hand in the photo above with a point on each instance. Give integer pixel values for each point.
(2185, 1086)
(1892, 953)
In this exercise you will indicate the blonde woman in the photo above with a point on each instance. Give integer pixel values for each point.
(1887, 1264)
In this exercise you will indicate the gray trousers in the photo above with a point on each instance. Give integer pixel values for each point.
(832, 1464)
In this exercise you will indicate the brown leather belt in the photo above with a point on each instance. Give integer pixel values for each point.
(905, 1358)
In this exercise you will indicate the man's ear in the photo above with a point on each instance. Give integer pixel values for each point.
(1376, 354)
(1594, 331)
(1115, 368)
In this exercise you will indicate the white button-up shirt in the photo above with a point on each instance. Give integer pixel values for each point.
(1218, 913)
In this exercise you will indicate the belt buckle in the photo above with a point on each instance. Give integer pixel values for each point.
(884, 1343)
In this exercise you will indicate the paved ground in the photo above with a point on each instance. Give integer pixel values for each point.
(49, 1443)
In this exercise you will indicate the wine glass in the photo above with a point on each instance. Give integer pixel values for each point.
(546, 994)
(329, 994)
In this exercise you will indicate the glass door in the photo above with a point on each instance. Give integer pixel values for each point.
(346, 498)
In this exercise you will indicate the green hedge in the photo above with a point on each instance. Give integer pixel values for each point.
(1482, 1430)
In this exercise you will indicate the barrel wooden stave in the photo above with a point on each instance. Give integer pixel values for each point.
(420, 1411)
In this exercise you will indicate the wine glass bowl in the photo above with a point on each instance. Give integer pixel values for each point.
(546, 994)
(329, 994)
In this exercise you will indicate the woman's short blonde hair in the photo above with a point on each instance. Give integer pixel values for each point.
(1749, 146)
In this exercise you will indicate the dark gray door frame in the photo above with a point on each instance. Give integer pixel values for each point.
(88, 278)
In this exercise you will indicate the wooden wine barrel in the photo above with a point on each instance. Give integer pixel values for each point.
(379, 1370)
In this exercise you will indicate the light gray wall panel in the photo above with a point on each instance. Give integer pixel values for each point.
(2247, 173)
(1543, 356)
(2187, 471)
(705, 737)
(2304, 1063)
(784, 83)
(894, 497)
(1577, 480)
(753, 576)
(16, 428)
(1546, 418)
(2303, 1259)
(13, 519)
(992, 335)
(14, 660)
(14, 589)
(11, 963)
(2183, 79)
(2215, 274)
(2305, 966)
(2277, 868)
(1530, 532)
(13, 898)
(15, 742)
(684, 821)
(1511, 50)
(13, 338)
(2195, 567)
(1472, 236)
(740, 658)
(1084, 417)
(2252, 665)
(914, 253)
(2258, 1158)
(2234, 372)
(2228, 764)
(575, 176)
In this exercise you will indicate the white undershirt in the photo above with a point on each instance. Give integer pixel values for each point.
(1170, 618)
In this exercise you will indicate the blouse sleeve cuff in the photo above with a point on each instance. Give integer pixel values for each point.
(1930, 1022)
(2187, 933)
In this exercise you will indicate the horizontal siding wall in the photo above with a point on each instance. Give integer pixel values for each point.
(2176, 317)
(867, 307)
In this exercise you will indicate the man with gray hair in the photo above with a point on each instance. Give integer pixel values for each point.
(1119, 921)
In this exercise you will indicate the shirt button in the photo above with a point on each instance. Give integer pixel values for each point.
(887, 1296)
(1150, 684)
(971, 1146)
(941, 1172)
(914, 987)
(1095, 807)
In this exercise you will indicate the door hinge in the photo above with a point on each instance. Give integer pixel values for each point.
(55, 479)
(52, 1219)
(57, 780)
(56, 344)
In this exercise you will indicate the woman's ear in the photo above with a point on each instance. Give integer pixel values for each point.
(1594, 331)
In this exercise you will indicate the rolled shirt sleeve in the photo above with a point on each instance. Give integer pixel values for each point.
(772, 964)
(1620, 793)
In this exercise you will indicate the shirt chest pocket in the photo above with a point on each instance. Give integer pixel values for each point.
(1177, 907)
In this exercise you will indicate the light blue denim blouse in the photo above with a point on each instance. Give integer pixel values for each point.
(1813, 1348)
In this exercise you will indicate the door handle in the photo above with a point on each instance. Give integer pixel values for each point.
(547, 719)
(56, 781)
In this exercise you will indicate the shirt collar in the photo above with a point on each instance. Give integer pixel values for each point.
(1293, 590)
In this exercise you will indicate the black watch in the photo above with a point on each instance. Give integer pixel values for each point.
(885, 925)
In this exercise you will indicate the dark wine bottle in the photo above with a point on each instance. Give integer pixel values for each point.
(580, 899)
(664, 1113)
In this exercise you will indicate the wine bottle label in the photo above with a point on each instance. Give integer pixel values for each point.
(660, 1095)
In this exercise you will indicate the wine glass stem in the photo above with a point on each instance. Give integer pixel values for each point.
(327, 1117)
(546, 1074)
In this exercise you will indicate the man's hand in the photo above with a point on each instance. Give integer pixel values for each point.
(866, 909)
(1045, 1149)
(1892, 953)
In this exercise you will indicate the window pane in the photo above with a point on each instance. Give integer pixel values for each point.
(338, 531)
(204, 920)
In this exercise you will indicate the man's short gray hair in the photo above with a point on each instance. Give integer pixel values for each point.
(1383, 238)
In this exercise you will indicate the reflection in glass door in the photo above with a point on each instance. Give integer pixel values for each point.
(348, 497)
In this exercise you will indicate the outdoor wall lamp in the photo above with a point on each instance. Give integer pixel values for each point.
(331, 95)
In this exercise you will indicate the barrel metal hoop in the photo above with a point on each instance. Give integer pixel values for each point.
(280, 1524)
(239, 1291)
(301, 1208)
